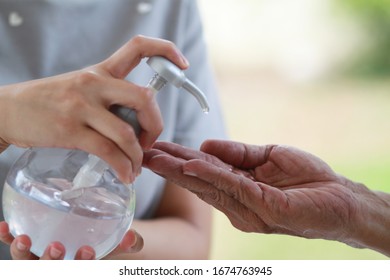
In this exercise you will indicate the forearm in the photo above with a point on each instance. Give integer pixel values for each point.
(3, 117)
(373, 221)
(170, 238)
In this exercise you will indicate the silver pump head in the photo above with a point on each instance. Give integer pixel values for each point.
(167, 72)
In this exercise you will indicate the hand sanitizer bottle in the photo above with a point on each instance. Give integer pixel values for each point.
(73, 197)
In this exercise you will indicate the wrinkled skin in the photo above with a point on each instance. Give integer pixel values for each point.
(269, 189)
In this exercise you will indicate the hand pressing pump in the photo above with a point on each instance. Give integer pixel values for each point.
(70, 196)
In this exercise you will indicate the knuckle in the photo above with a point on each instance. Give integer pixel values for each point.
(126, 134)
(137, 40)
(171, 49)
(86, 78)
(146, 96)
(215, 197)
(145, 99)
(72, 97)
(170, 45)
(217, 180)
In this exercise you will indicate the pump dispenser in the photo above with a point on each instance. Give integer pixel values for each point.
(73, 197)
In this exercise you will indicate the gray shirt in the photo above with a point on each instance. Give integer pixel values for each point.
(41, 38)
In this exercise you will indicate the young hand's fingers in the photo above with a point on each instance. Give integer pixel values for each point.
(129, 55)
(139, 99)
(94, 143)
(132, 242)
(5, 236)
(20, 248)
(55, 251)
(85, 253)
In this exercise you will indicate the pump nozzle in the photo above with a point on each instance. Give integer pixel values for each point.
(166, 72)
(174, 75)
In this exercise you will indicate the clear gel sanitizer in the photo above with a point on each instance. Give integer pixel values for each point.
(74, 197)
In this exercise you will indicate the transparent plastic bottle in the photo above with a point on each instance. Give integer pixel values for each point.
(98, 215)
(74, 197)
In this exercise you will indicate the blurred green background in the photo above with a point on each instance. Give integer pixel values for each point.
(374, 16)
(314, 74)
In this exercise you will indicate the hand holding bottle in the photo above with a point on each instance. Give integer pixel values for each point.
(72, 110)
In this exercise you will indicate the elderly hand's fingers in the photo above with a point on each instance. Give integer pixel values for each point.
(198, 175)
(238, 154)
(222, 193)
(250, 206)
(237, 186)
(171, 168)
(186, 153)
(237, 196)
(202, 178)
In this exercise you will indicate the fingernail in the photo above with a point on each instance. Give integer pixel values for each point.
(132, 178)
(135, 239)
(87, 255)
(128, 179)
(21, 246)
(185, 61)
(54, 253)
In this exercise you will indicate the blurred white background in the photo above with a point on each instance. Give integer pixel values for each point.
(298, 40)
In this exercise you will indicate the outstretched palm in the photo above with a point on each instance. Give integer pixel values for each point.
(267, 189)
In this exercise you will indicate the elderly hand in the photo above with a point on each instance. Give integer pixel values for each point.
(276, 189)
(72, 110)
(20, 246)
